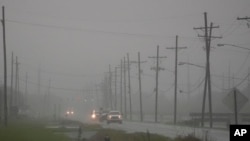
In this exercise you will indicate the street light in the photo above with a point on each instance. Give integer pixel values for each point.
(220, 45)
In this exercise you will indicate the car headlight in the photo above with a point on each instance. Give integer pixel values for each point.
(72, 112)
(93, 116)
(67, 112)
(110, 116)
(119, 116)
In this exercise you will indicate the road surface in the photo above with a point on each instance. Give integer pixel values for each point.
(170, 130)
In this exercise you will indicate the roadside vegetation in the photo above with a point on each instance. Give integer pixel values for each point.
(116, 135)
(29, 131)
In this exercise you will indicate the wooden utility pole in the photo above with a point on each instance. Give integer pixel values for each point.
(5, 72)
(175, 90)
(207, 38)
(235, 107)
(157, 69)
(129, 89)
(121, 102)
(26, 90)
(16, 84)
(156, 87)
(115, 88)
(110, 88)
(11, 87)
(139, 78)
(125, 93)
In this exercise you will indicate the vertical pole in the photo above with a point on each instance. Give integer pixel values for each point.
(5, 71)
(110, 88)
(129, 89)
(209, 78)
(125, 93)
(204, 101)
(26, 90)
(49, 104)
(15, 96)
(115, 88)
(11, 88)
(188, 86)
(121, 106)
(175, 88)
(235, 107)
(139, 72)
(156, 87)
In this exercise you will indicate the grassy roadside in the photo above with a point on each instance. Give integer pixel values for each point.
(29, 131)
(116, 135)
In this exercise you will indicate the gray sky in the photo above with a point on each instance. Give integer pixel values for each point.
(74, 41)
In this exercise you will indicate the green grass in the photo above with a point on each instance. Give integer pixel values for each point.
(116, 135)
(29, 131)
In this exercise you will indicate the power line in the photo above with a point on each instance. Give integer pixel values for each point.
(94, 30)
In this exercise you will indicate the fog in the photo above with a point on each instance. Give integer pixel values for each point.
(66, 47)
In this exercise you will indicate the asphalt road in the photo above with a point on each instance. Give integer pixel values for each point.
(170, 130)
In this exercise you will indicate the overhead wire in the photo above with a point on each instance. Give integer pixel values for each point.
(96, 31)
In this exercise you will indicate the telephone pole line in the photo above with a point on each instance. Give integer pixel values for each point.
(125, 93)
(157, 69)
(175, 90)
(16, 83)
(121, 103)
(26, 90)
(207, 86)
(5, 71)
(129, 89)
(115, 88)
(139, 77)
(11, 87)
(110, 88)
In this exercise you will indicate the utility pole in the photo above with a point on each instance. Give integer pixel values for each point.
(11, 87)
(125, 93)
(188, 85)
(129, 89)
(139, 78)
(39, 79)
(26, 90)
(110, 88)
(49, 96)
(139, 75)
(207, 38)
(175, 90)
(5, 72)
(157, 69)
(121, 103)
(115, 88)
(16, 83)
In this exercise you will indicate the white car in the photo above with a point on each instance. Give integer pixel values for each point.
(114, 116)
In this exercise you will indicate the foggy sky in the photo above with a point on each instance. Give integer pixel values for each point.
(73, 42)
